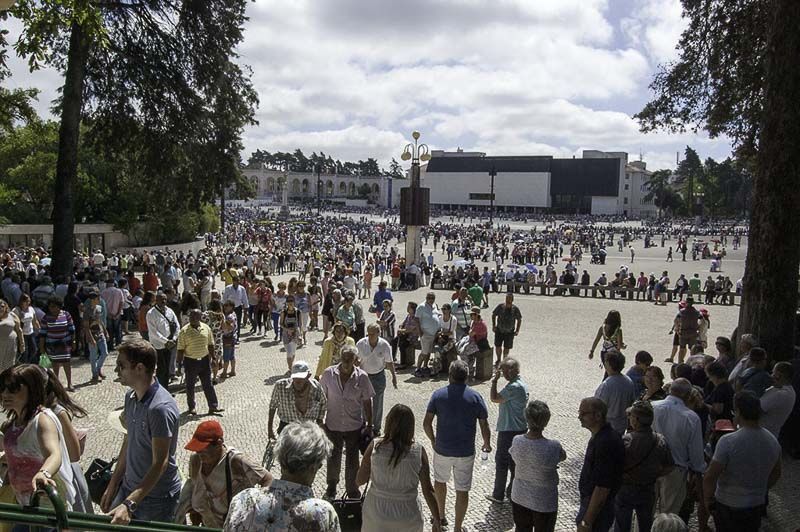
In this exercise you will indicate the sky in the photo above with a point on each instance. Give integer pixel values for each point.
(354, 78)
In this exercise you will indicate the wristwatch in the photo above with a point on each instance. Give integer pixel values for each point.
(130, 505)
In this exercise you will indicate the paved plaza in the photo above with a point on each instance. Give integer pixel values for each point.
(553, 345)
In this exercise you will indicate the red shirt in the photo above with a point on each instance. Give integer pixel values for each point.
(134, 284)
(479, 330)
(150, 282)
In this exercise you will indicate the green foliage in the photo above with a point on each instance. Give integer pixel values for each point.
(298, 162)
(717, 83)
(688, 175)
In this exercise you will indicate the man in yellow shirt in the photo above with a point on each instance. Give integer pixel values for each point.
(195, 351)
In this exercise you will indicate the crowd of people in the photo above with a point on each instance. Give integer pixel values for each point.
(704, 443)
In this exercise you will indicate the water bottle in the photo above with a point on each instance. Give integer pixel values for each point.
(484, 460)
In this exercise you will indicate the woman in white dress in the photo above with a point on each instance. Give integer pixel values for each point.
(395, 465)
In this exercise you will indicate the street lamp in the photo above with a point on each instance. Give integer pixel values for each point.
(414, 200)
(319, 188)
(492, 173)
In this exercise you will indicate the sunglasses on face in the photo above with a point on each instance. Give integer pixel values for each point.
(11, 387)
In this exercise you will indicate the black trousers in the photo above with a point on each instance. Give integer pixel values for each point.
(199, 369)
(162, 366)
(527, 520)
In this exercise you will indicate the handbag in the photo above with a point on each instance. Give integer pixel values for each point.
(349, 511)
(45, 362)
(98, 477)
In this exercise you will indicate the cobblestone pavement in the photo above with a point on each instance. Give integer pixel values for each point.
(552, 348)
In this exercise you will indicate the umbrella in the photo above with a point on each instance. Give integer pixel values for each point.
(461, 263)
(532, 268)
(45, 261)
(513, 266)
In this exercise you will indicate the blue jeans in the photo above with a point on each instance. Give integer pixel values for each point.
(378, 381)
(160, 509)
(503, 463)
(97, 356)
(31, 354)
(114, 331)
(276, 324)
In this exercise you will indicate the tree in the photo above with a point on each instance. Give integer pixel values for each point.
(658, 189)
(738, 74)
(688, 173)
(158, 85)
(395, 170)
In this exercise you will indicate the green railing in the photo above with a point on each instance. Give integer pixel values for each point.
(60, 519)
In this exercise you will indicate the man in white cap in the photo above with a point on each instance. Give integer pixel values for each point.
(296, 398)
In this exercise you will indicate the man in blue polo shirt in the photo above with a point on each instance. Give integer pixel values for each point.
(457, 407)
(145, 484)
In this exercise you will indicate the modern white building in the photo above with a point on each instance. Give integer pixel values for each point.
(597, 183)
(637, 177)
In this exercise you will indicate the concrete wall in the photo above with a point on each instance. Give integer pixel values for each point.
(604, 205)
(194, 247)
(87, 237)
(511, 189)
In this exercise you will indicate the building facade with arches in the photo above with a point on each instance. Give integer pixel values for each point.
(303, 186)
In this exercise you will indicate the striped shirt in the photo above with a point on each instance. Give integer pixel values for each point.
(387, 331)
(194, 342)
(58, 332)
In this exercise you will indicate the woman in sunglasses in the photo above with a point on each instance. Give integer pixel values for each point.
(33, 437)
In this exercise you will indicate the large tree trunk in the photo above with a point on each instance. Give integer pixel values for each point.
(67, 165)
(222, 209)
(773, 255)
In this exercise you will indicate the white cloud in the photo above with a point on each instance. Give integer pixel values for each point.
(353, 78)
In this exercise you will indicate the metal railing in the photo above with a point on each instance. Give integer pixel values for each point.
(60, 519)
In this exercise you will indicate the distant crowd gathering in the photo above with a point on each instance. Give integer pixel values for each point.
(703, 443)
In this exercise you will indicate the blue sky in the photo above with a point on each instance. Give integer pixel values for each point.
(513, 77)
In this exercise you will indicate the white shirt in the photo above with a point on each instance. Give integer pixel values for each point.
(236, 294)
(682, 429)
(374, 360)
(158, 326)
(776, 405)
(738, 368)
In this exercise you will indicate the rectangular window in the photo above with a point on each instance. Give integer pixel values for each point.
(626, 201)
(627, 176)
(627, 186)
(485, 196)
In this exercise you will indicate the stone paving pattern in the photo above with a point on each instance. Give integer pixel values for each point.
(552, 347)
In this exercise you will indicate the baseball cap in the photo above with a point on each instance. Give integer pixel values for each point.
(205, 434)
(476, 310)
(300, 370)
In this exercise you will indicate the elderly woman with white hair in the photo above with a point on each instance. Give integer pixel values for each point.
(668, 523)
(534, 492)
(289, 503)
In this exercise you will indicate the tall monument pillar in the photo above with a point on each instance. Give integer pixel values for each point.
(414, 200)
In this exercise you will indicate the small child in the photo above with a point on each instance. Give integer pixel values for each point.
(229, 328)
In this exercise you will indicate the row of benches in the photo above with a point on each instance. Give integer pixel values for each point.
(609, 292)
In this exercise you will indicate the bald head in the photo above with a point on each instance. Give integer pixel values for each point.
(680, 388)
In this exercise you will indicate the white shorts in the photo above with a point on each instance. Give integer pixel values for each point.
(461, 466)
(426, 343)
(304, 321)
